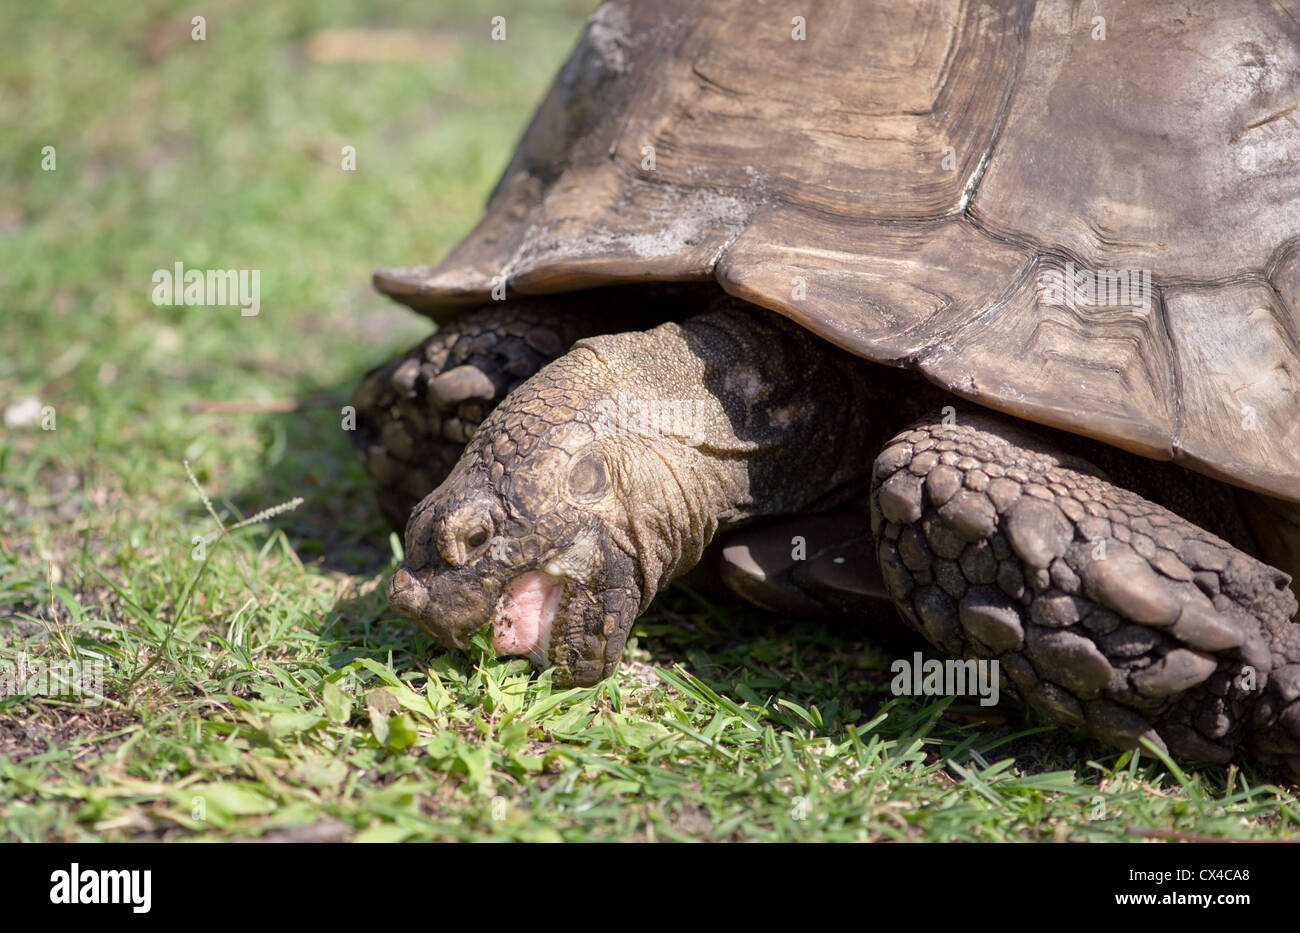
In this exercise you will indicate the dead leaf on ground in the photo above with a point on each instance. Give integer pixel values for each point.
(378, 45)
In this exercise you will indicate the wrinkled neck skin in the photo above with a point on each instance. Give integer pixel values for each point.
(721, 420)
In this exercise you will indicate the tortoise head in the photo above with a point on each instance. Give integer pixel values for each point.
(608, 473)
(526, 534)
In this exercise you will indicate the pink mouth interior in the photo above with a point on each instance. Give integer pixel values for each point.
(522, 622)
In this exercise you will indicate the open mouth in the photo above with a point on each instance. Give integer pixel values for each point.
(524, 616)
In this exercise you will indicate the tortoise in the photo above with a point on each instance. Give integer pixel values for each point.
(991, 311)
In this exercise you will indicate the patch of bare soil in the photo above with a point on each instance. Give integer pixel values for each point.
(27, 730)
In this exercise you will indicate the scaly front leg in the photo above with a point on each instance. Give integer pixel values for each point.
(1104, 610)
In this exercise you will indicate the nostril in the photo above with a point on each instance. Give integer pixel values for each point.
(406, 595)
(402, 580)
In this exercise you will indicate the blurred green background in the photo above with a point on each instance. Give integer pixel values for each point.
(226, 153)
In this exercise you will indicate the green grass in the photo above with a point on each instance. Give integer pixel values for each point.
(264, 690)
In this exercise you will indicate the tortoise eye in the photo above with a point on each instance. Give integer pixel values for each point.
(464, 536)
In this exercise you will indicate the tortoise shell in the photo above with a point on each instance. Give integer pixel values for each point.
(1088, 221)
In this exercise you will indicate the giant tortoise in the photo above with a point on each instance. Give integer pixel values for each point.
(989, 308)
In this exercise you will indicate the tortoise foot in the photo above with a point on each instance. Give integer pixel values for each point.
(1103, 609)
